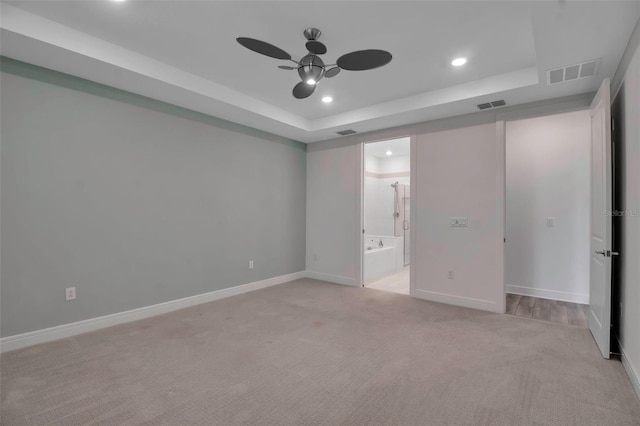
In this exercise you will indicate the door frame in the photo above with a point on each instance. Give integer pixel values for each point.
(412, 202)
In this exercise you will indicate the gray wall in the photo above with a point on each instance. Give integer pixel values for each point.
(134, 202)
(548, 169)
(334, 179)
(334, 188)
(459, 173)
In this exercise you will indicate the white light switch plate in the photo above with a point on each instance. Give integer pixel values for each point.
(458, 222)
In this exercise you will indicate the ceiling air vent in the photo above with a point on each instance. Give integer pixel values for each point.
(493, 104)
(346, 132)
(573, 72)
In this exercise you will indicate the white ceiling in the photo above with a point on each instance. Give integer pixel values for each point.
(185, 53)
(399, 148)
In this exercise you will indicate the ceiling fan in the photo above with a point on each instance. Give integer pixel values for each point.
(311, 68)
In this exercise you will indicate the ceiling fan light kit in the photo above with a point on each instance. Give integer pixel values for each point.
(311, 68)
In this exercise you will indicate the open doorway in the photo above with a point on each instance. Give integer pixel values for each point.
(386, 214)
(547, 254)
(618, 223)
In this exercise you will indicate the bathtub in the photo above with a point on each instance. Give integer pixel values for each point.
(387, 241)
(378, 262)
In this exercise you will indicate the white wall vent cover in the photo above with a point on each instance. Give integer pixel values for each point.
(573, 72)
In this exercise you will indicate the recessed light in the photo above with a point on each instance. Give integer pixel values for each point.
(458, 62)
(311, 82)
(389, 153)
(327, 99)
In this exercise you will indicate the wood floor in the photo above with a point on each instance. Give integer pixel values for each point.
(548, 310)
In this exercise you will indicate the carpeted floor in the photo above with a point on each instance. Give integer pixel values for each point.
(312, 353)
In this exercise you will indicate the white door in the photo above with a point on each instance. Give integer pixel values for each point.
(601, 204)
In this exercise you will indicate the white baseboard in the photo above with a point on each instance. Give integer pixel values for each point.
(634, 378)
(563, 296)
(466, 302)
(19, 341)
(336, 279)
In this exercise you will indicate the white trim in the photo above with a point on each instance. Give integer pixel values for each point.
(336, 279)
(466, 302)
(413, 210)
(362, 230)
(23, 340)
(634, 378)
(360, 210)
(501, 208)
(564, 296)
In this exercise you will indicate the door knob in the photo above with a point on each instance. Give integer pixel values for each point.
(607, 253)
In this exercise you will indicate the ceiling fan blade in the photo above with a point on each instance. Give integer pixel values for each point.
(332, 72)
(263, 48)
(303, 90)
(285, 67)
(316, 47)
(362, 60)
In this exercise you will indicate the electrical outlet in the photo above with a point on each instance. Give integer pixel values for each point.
(315, 257)
(70, 293)
(551, 222)
(451, 275)
(251, 264)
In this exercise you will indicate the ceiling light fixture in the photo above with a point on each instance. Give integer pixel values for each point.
(311, 68)
(388, 152)
(458, 62)
(327, 99)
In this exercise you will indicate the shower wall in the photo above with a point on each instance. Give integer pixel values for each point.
(380, 174)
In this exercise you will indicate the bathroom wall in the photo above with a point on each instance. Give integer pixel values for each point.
(394, 165)
(378, 206)
(380, 174)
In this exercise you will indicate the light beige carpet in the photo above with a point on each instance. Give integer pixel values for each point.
(307, 353)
